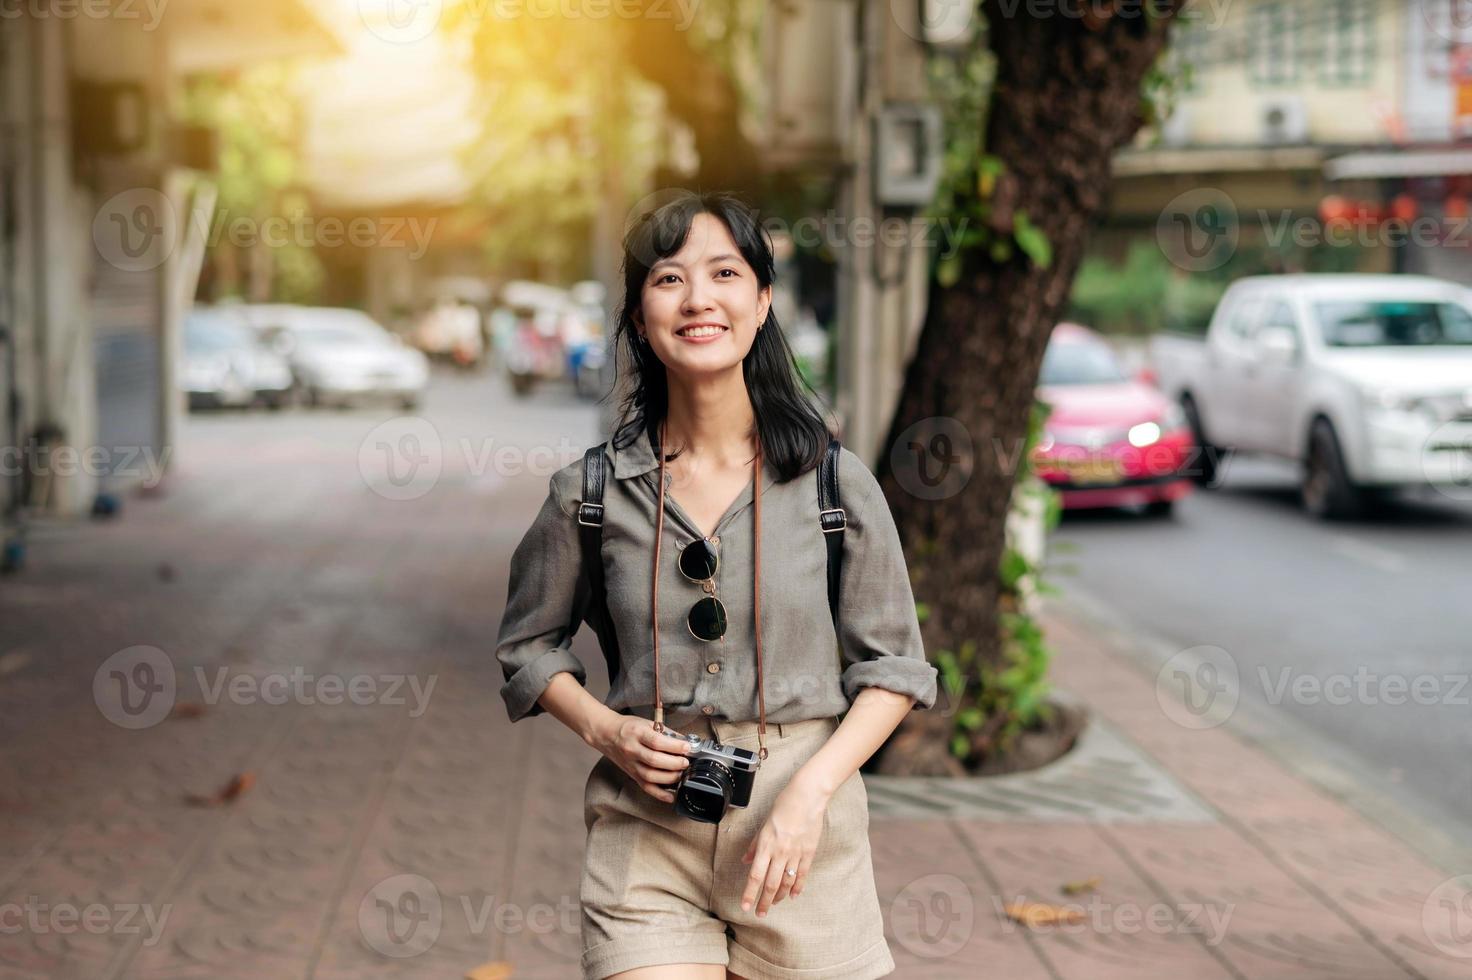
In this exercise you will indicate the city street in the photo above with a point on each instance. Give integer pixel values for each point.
(1334, 625)
(252, 730)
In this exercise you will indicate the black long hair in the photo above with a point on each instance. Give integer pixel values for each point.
(791, 428)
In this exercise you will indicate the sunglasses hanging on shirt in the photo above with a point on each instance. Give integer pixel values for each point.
(698, 563)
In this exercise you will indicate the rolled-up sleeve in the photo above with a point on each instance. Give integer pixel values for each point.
(878, 630)
(547, 596)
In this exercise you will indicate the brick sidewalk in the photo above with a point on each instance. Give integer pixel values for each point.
(381, 840)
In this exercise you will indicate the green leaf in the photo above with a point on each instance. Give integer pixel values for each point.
(1014, 567)
(948, 270)
(960, 747)
(1032, 241)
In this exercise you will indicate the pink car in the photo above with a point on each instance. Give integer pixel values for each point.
(1111, 440)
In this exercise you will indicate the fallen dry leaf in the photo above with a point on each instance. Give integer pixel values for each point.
(1034, 914)
(13, 661)
(1080, 887)
(497, 970)
(187, 709)
(232, 791)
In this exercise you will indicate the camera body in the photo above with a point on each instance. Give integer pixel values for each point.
(719, 776)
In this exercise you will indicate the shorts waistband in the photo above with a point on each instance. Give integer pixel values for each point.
(741, 731)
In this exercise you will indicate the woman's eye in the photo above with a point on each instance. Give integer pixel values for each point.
(732, 271)
(667, 275)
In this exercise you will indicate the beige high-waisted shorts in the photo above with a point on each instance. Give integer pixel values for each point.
(661, 888)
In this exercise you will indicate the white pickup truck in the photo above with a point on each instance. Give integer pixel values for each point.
(1364, 379)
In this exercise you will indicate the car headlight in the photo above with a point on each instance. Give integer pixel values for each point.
(1388, 402)
(1144, 434)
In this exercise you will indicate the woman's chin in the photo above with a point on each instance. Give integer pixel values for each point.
(698, 363)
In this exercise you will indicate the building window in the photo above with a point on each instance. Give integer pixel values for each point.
(1189, 53)
(1348, 56)
(1273, 43)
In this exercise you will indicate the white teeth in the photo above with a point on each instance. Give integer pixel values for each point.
(700, 331)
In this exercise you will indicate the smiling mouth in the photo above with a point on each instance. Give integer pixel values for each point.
(700, 331)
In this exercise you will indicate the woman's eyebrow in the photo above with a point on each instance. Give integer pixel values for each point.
(723, 257)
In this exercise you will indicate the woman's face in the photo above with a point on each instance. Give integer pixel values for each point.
(701, 307)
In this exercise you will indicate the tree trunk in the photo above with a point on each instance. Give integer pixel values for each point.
(1068, 94)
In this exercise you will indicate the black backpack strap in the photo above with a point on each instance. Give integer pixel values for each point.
(832, 519)
(590, 532)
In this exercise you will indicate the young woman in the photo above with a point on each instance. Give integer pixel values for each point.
(715, 570)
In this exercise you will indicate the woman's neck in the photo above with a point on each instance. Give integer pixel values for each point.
(712, 420)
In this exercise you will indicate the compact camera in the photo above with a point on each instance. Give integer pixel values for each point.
(719, 776)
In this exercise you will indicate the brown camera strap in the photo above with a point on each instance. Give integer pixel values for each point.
(756, 594)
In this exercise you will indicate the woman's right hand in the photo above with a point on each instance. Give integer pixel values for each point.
(651, 759)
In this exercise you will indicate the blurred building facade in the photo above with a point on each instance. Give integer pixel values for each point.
(1316, 109)
(99, 238)
(834, 78)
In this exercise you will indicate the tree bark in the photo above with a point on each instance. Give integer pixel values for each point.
(1068, 94)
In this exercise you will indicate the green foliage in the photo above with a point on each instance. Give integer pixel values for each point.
(996, 702)
(1143, 294)
(255, 117)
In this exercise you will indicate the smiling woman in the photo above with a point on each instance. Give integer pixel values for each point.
(699, 846)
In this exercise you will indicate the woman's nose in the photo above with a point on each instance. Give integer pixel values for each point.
(696, 299)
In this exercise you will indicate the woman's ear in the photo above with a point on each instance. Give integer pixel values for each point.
(763, 304)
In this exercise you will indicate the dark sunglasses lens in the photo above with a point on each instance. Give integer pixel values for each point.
(708, 619)
(698, 560)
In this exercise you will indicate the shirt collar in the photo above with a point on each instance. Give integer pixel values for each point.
(638, 457)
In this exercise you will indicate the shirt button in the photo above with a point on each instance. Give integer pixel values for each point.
(713, 668)
(707, 709)
(715, 539)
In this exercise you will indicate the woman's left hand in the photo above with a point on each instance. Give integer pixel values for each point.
(788, 839)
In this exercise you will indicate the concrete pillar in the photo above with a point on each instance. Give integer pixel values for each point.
(881, 289)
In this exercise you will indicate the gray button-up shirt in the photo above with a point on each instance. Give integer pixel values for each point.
(810, 670)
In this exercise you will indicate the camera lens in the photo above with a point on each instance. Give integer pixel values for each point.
(705, 791)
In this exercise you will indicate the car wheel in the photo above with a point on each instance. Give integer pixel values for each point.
(1327, 490)
(409, 403)
(521, 384)
(1204, 471)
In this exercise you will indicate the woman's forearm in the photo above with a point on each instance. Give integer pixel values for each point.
(874, 715)
(572, 705)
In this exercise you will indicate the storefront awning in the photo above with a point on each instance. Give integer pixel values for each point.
(1373, 164)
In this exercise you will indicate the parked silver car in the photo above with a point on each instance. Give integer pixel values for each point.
(225, 363)
(343, 356)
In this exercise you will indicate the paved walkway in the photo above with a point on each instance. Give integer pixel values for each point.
(410, 831)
